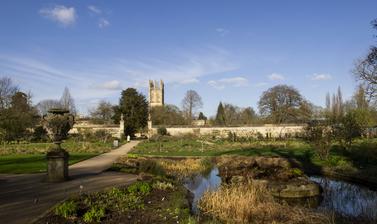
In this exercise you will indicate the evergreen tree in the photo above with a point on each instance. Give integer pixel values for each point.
(134, 108)
(202, 116)
(18, 118)
(220, 115)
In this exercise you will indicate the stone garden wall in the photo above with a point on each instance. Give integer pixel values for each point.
(83, 126)
(262, 131)
(273, 131)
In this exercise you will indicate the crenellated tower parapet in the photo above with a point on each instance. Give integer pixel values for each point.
(156, 93)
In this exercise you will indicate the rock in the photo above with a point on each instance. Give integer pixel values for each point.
(275, 173)
(295, 189)
(145, 176)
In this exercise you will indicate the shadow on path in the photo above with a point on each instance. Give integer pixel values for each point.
(25, 197)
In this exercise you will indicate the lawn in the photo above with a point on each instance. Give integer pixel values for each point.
(34, 163)
(30, 157)
(195, 147)
(70, 145)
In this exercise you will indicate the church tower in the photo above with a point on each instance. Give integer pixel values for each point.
(156, 93)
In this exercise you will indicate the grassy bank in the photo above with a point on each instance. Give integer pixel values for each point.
(360, 160)
(34, 163)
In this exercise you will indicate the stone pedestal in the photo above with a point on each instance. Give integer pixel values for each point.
(57, 166)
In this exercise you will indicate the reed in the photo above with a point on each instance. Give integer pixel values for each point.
(248, 203)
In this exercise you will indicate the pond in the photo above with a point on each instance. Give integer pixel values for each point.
(339, 196)
(347, 198)
(200, 183)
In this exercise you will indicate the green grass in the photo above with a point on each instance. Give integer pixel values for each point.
(192, 147)
(34, 163)
(359, 160)
(69, 145)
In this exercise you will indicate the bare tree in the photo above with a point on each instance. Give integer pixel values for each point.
(336, 106)
(366, 70)
(167, 115)
(328, 102)
(44, 105)
(67, 101)
(284, 103)
(103, 112)
(359, 99)
(7, 90)
(191, 102)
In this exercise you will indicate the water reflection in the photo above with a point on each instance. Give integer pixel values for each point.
(199, 184)
(347, 199)
(339, 196)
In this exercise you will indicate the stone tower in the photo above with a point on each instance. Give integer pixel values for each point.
(156, 93)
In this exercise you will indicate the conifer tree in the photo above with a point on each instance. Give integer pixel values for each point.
(220, 115)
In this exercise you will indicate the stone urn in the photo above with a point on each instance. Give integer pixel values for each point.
(57, 123)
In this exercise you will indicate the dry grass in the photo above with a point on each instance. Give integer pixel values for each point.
(184, 167)
(179, 168)
(248, 203)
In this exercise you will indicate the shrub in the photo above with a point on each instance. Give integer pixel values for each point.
(297, 172)
(102, 135)
(94, 214)
(320, 136)
(66, 209)
(39, 134)
(115, 193)
(162, 131)
(152, 167)
(139, 187)
(2, 135)
(232, 137)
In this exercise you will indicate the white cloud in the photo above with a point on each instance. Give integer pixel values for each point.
(103, 23)
(276, 77)
(233, 82)
(321, 77)
(215, 84)
(61, 14)
(110, 85)
(46, 77)
(94, 9)
(222, 31)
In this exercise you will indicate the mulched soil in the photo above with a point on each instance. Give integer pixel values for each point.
(159, 207)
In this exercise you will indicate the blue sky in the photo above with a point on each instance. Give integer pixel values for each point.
(228, 51)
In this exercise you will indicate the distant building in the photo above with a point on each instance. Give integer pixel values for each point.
(156, 93)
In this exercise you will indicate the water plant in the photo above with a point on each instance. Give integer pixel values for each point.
(66, 209)
(139, 187)
(94, 214)
(163, 185)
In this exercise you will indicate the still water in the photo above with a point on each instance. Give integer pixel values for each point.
(347, 198)
(338, 196)
(200, 183)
